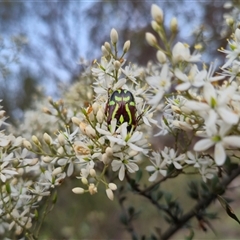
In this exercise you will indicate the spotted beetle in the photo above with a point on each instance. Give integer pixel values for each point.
(121, 105)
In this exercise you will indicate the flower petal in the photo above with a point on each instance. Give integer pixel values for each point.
(219, 154)
(203, 145)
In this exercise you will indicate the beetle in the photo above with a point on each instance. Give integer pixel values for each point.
(121, 105)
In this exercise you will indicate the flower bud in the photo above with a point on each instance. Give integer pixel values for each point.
(78, 190)
(76, 120)
(84, 181)
(107, 46)
(60, 150)
(33, 162)
(110, 194)
(92, 172)
(126, 46)
(90, 131)
(117, 65)
(95, 107)
(161, 57)
(56, 171)
(114, 36)
(82, 127)
(151, 39)
(106, 159)
(27, 144)
(104, 51)
(61, 139)
(109, 151)
(47, 159)
(157, 13)
(35, 140)
(155, 26)
(100, 115)
(174, 25)
(47, 139)
(112, 186)
(46, 110)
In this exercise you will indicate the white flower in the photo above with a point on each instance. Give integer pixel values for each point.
(216, 103)
(158, 167)
(219, 139)
(207, 168)
(189, 80)
(127, 139)
(122, 163)
(181, 52)
(170, 156)
(192, 159)
(234, 51)
(160, 85)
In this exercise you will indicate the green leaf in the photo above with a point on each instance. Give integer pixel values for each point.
(227, 208)
(190, 236)
(139, 176)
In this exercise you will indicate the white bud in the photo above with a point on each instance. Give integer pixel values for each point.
(82, 127)
(161, 57)
(110, 194)
(92, 172)
(157, 13)
(35, 140)
(27, 144)
(46, 110)
(112, 186)
(76, 120)
(33, 162)
(100, 115)
(117, 65)
(151, 39)
(109, 151)
(95, 107)
(106, 159)
(107, 46)
(84, 181)
(155, 26)
(114, 36)
(78, 190)
(56, 171)
(47, 139)
(126, 46)
(60, 150)
(47, 159)
(174, 25)
(90, 131)
(104, 51)
(61, 139)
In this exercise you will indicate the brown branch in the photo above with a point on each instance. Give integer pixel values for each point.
(204, 203)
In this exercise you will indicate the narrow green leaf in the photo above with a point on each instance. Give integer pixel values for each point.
(190, 236)
(227, 208)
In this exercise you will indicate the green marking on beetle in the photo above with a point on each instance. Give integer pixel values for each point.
(129, 114)
(115, 111)
(121, 119)
(126, 99)
(132, 104)
(112, 103)
(118, 99)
